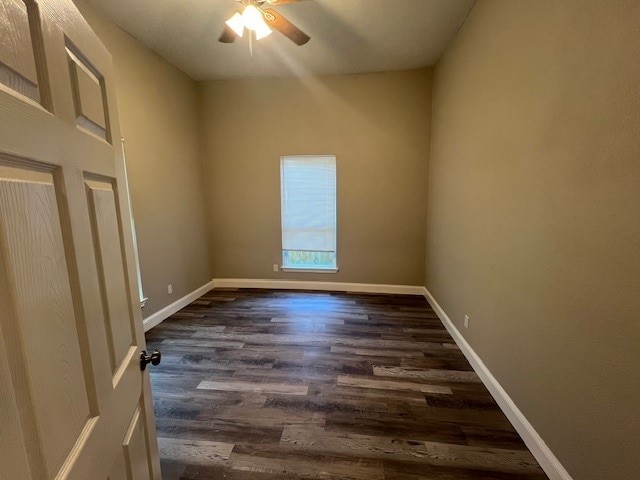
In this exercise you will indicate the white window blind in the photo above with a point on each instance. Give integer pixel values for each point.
(308, 189)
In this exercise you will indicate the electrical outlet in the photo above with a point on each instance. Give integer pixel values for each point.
(275, 267)
(466, 321)
(169, 289)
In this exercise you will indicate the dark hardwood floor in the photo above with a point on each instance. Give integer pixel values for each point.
(263, 385)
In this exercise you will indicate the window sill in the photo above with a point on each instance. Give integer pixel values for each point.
(309, 270)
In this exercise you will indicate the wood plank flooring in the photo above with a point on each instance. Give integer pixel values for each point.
(263, 385)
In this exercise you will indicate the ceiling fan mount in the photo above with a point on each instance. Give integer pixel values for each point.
(258, 18)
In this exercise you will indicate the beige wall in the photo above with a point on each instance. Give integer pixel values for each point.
(534, 216)
(378, 127)
(159, 119)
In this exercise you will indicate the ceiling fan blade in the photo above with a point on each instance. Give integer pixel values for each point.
(284, 26)
(228, 36)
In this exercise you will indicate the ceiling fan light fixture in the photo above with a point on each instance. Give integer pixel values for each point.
(237, 24)
(262, 31)
(252, 18)
(255, 18)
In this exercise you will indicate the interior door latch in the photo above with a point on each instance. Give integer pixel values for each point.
(146, 359)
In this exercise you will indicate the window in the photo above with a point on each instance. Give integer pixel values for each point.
(308, 191)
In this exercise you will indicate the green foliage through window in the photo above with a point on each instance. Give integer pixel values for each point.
(308, 259)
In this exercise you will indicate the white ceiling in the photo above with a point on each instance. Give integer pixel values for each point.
(347, 36)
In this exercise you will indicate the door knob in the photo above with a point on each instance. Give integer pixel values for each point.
(146, 359)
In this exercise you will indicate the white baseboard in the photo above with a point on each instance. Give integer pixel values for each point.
(161, 315)
(324, 286)
(545, 457)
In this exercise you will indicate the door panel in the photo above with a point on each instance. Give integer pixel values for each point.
(111, 269)
(17, 63)
(12, 444)
(88, 95)
(134, 445)
(129, 464)
(74, 403)
(119, 470)
(33, 252)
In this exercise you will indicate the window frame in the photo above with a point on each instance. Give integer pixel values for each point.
(136, 254)
(320, 269)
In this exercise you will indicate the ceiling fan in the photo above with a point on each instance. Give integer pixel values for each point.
(254, 17)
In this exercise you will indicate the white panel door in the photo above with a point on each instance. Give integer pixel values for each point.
(74, 401)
